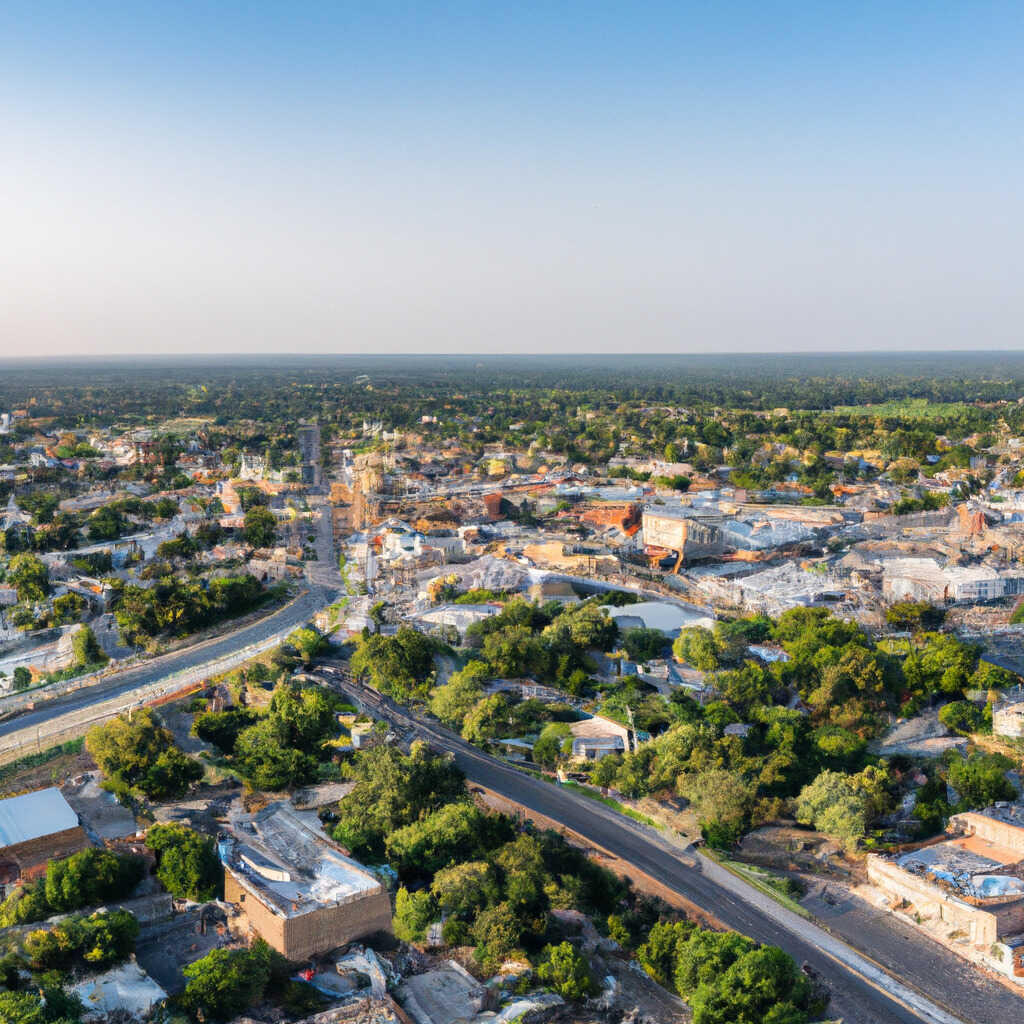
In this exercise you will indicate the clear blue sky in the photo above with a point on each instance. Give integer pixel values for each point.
(485, 176)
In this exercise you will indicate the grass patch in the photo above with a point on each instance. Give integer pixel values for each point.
(905, 408)
(781, 889)
(8, 771)
(613, 804)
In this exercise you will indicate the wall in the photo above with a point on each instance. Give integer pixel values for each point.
(306, 935)
(1002, 833)
(931, 902)
(33, 856)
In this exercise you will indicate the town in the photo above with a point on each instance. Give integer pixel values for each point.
(352, 694)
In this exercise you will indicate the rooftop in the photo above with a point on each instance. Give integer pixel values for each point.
(34, 815)
(286, 860)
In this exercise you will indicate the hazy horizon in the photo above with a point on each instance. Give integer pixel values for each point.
(182, 179)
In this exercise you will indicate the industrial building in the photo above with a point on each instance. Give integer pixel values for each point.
(966, 890)
(297, 889)
(36, 828)
(685, 536)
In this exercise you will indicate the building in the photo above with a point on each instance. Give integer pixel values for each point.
(296, 888)
(684, 536)
(252, 467)
(1008, 714)
(923, 579)
(36, 828)
(596, 737)
(966, 890)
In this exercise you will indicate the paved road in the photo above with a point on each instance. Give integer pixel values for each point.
(862, 992)
(299, 611)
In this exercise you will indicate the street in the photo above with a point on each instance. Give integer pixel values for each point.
(300, 611)
(862, 991)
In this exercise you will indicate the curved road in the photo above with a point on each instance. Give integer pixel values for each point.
(300, 611)
(862, 991)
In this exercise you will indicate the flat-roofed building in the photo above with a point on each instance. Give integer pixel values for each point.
(296, 888)
(967, 889)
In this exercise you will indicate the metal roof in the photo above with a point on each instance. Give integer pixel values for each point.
(33, 815)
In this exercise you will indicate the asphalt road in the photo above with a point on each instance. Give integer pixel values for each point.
(301, 610)
(861, 991)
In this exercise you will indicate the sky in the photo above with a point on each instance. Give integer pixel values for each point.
(492, 177)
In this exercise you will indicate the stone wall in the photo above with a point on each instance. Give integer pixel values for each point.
(931, 902)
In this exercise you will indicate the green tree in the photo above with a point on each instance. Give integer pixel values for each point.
(86, 648)
(981, 779)
(68, 608)
(834, 804)
(696, 646)
(962, 717)
(393, 790)
(89, 878)
(452, 701)
(548, 749)
(705, 956)
(268, 764)
(565, 970)
(495, 935)
(260, 527)
(915, 616)
(187, 862)
(722, 799)
(643, 644)
(465, 889)
(22, 678)
(226, 982)
(308, 642)
(763, 986)
(29, 577)
(660, 952)
(414, 912)
(140, 754)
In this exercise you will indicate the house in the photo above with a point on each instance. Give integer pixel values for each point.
(596, 737)
(36, 828)
(295, 887)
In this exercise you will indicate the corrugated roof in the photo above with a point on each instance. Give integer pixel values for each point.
(33, 815)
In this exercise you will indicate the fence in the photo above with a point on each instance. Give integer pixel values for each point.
(26, 700)
(73, 724)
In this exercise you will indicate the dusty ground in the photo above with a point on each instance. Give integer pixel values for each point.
(921, 736)
(638, 991)
(163, 950)
(796, 851)
(101, 815)
(53, 773)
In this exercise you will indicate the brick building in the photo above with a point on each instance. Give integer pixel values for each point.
(36, 828)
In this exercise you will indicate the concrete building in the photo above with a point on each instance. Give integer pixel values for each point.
(36, 828)
(685, 536)
(1008, 714)
(296, 888)
(966, 890)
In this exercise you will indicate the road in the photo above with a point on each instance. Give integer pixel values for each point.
(300, 611)
(862, 991)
